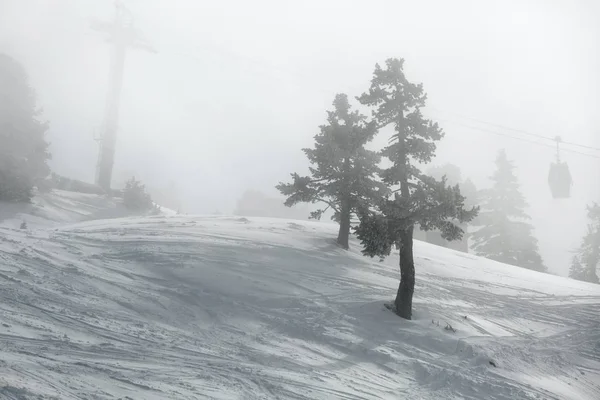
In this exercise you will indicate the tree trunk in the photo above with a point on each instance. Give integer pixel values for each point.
(344, 232)
(345, 208)
(406, 289)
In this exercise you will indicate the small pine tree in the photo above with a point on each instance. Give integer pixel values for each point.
(23, 149)
(342, 172)
(588, 257)
(135, 196)
(417, 198)
(577, 270)
(505, 234)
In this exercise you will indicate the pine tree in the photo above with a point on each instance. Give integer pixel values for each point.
(417, 198)
(505, 234)
(468, 189)
(589, 252)
(135, 196)
(342, 172)
(577, 271)
(23, 149)
(452, 173)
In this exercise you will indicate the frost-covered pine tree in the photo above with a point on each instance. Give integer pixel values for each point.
(505, 235)
(577, 270)
(416, 198)
(342, 172)
(135, 196)
(585, 263)
(23, 148)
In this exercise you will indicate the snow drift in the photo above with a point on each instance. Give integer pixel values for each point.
(183, 307)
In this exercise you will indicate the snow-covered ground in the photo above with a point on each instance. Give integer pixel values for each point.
(60, 207)
(184, 307)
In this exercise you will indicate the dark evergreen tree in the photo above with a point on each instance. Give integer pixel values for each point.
(342, 172)
(416, 198)
(585, 264)
(505, 235)
(23, 149)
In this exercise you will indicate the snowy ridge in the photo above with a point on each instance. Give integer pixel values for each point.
(183, 307)
(61, 206)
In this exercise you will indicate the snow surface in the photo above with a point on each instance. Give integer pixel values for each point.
(190, 307)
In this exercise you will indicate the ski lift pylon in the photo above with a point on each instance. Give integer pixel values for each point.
(559, 177)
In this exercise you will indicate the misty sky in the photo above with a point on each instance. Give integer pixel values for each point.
(237, 88)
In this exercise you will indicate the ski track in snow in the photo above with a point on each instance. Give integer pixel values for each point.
(185, 307)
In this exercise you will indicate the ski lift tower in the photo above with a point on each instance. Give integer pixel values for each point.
(123, 36)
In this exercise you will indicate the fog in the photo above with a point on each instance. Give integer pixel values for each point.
(237, 88)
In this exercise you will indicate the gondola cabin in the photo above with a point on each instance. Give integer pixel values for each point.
(559, 177)
(560, 181)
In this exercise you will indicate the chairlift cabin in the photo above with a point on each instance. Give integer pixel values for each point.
(559, 177)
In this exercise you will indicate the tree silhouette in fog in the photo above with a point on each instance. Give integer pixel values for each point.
(505, 234)
(23, 148)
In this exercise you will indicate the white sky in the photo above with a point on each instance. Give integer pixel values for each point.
(238, 87)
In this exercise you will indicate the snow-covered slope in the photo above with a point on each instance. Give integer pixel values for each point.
(58, 207)
(180, 307)
(61, 206)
